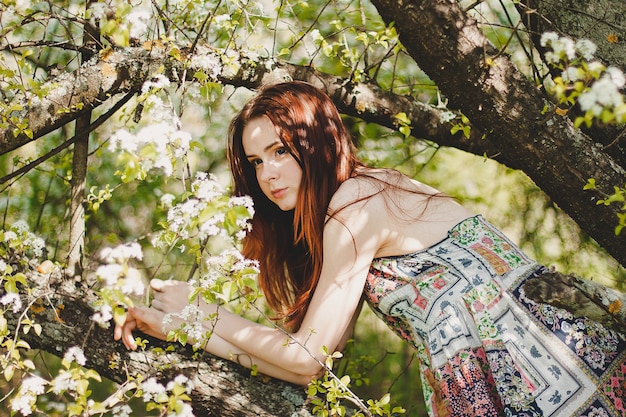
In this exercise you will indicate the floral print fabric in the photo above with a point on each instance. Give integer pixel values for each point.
(484, 348)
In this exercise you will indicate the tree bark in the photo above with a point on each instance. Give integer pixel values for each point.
(77, 197)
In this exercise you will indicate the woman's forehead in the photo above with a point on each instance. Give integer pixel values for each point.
(259, 134)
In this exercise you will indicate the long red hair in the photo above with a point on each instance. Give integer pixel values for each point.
(288, 245)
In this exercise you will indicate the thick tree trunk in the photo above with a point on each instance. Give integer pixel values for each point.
(222, 388)
(485, 86)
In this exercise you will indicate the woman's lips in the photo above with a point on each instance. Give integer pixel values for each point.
(279, 193)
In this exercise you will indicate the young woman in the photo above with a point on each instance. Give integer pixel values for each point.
(329, 231)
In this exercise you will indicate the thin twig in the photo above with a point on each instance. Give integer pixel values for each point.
(93, 126)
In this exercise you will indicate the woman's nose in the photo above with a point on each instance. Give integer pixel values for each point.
(269, 171)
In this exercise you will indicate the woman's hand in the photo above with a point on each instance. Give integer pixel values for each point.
(173, 296)
(170, 296)
(145, 319)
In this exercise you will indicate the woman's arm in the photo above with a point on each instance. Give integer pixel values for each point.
(148, 320)
(349, 246)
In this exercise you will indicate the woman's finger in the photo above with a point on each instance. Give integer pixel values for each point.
(117, 331)
(150, 321)
(159, 284)
(155, 284)
(162, 285)
(126, 334)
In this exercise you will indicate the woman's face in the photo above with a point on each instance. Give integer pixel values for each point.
(277, 172)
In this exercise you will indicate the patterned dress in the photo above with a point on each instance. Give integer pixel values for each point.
(484, 348)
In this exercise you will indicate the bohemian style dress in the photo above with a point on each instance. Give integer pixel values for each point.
(485, 349)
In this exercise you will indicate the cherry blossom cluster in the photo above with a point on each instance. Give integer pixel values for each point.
(121, 282)
(583, 80)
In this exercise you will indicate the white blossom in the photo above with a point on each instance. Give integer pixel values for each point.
(103, 315)
(34, 384)
(586, 48)
(9, 236)
(192, 323)
(75, 354)
(157, 81)
(133, 283)
(234, 62)
(121, 410)
(206, 60)
(160, 141)
(13, 299)
(23, 403)
(191, 312)
(211, 227)
(572, 74)
(245, 201)
(181, 380)
(179, 216)
(561, 46)
(548, 37)
(63, 382)
(315, 35)
(617, 76)
(606, 91)
(180, 142)
(595, 67)
(3, 266)
(122, 253)
(37, 245)
(602, 94)
(138, 20)
(157, 110)
(151, 389)
(21, 227)
(157, 240)
(167, 199)
(206, 186)
(110, 274)
(123, 140)
(588, 101)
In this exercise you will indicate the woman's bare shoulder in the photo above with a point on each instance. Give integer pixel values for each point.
(357, 191)
(372, 181)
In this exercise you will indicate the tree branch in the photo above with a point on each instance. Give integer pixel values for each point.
(519, 121)
(222, 388)
(509, 120)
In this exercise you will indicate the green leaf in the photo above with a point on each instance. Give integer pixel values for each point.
(119, 315)
(9, 371)
(591, 184)
(402, 118)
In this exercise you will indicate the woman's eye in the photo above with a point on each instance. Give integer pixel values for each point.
(281, 151)
(256, 162)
